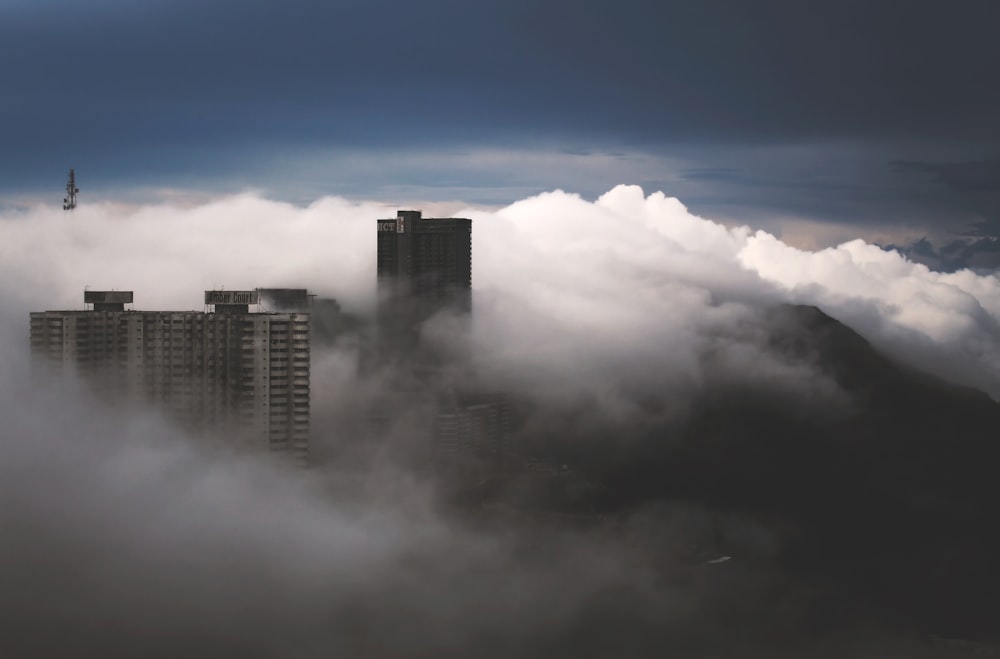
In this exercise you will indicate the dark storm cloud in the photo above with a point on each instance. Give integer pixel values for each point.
(974, 176)
(678, 70)
(970, 187)
(982, 254)
(185, 89)
(711, 174)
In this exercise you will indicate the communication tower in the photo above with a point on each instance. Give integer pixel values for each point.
(69, 203)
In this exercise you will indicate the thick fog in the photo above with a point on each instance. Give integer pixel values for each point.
(623, 279)
(122, 537)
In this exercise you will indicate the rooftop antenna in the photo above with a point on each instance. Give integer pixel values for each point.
(69, 203)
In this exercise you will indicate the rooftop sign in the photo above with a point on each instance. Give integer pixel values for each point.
(230, 297)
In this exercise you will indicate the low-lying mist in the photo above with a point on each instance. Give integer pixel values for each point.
(629, 334)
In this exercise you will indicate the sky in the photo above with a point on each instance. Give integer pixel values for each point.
(820, 121)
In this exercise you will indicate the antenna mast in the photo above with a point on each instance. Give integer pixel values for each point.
(69, 203)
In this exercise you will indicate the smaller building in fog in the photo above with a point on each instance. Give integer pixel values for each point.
(473, 434)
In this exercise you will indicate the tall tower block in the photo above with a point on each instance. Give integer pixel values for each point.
(424, 266)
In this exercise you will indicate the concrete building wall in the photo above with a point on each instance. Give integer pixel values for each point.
(241, 376)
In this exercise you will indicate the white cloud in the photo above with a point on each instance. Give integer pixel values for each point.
(115, 517)
(567, 287)
(638, 269)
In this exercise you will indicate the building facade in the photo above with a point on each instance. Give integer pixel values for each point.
(473, 435)
(424, 265)
(229, 373)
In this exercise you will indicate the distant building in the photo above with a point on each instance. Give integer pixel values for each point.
(230, 373)
(473, 434)
(424, 266)
(328, 322)
(285, 299)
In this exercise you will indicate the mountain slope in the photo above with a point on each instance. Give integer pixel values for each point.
(892, 497)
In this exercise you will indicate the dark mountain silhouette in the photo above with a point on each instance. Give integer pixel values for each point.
(890, 498)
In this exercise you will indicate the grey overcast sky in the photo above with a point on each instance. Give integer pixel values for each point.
(863, 115)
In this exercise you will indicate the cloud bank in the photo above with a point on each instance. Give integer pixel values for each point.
(600, 310)
(552, 275)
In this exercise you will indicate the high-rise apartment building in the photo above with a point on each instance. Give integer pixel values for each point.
(424, 264)
(229, 373)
